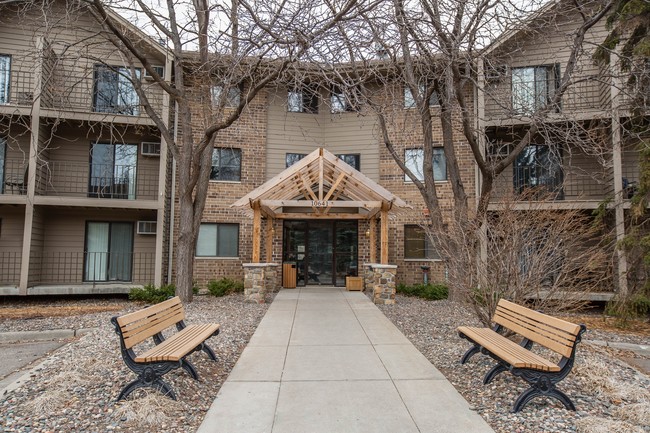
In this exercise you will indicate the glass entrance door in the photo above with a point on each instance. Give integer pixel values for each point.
(325, 252)
(320, 257)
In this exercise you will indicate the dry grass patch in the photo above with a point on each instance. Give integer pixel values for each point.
(152, 409)
(595, 424)
(62, 311)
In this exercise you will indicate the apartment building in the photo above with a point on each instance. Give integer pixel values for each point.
(303, 177)
(82, 168)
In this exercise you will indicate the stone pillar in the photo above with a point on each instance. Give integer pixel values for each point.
(368, 277)
(379, 282)
(271, 280)
(259, 279)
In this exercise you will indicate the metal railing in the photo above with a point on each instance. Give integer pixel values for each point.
(570, 184)
(21, 89)
(10, 263)
(129, 182)
(94, 267)
(71, 87)
(505, 97)
(14, 177)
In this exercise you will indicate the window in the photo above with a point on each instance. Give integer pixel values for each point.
(114, 91)
(417, 244)
(3, 151)
(533, 87)
(339, 102)
(409, 100)
(353, 160)
(113, 170)
(108, 255)
(232, 99)
(218, 240)
(537, 166)
(292, 158)
(226, 164)
(5, 75)
(414, 159)
(303, 100)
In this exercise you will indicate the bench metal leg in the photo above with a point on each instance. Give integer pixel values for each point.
(189, 367)
(494, 371)
(543, 387)
(151, 377)
(470, 352)
(207, 349)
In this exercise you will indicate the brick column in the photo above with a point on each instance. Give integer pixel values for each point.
(259, 279)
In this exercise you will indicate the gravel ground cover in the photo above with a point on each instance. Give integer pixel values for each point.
(76, 392)
(611, 396)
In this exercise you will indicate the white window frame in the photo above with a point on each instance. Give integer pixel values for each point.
(232, 99)
(5, 78)
(414, 160)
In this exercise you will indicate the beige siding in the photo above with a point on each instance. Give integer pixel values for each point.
(62, 258)
(68, 66)
(342, 133)
(551, 44)
(12, 223)
(65, 170)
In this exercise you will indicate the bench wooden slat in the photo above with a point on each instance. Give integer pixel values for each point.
(146, 312)
(507, 350)
(180, 344)
(555, 334)
(140, 325)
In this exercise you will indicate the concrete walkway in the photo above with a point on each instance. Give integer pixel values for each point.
(327, 360)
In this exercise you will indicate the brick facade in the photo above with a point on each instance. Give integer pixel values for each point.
(249, 134)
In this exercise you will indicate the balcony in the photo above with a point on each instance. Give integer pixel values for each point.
(21, 90)
(10, 263)
(71, 88)
(506, 99)
(14, 179)
(578, 181)
(98, 181)
(92, 268)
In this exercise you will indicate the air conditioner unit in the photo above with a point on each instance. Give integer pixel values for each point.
(150, 148)
(146, 227)
(160, 70)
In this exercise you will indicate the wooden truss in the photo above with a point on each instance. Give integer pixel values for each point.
(320, 186)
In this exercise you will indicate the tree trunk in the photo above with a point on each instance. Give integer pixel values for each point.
(185, 250)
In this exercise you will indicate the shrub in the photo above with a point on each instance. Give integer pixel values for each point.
(429, 291)
(225, 286)
(152, 294)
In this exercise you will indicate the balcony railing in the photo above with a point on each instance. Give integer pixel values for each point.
(505, 99)
(70, 87)
(21, 89)
(14, 177)
(574, 184)
(10, 268)
(89, 267)
(129, 182)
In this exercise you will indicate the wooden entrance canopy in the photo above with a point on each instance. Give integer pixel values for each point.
(321, 186)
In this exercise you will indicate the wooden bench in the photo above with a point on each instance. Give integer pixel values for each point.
(541, 374)
(168, 353)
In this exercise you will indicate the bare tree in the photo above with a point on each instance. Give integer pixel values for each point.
(240, 45)
(440, 53)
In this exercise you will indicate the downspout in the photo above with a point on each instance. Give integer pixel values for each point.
(172, 199)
